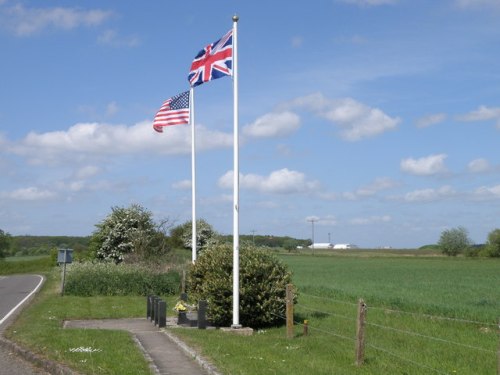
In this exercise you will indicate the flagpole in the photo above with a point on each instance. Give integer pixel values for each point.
(194, 241)
(236, 187)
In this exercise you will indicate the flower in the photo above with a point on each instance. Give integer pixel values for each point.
(180, 306)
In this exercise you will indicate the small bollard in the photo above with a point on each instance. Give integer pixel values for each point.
(157, 314)
(202, 314)
(162, 314)
(306, 327)
(148, 307)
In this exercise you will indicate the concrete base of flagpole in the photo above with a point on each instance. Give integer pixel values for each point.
(238, 330)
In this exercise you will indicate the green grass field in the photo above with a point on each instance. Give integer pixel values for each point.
(426, 315)
(416, 308)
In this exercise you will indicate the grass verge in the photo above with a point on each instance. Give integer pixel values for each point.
(39, 328)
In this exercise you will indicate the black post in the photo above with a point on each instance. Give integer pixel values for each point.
(184, 297)
(162, 314)
(202, 314)
(148, 307)
(157, 315)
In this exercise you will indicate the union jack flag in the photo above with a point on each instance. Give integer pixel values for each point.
(212, 62)
(174, 111)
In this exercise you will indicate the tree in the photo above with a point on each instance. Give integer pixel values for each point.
(493, 245)
(182, 234)
(127, 231)
(454, 241)
(4, 243)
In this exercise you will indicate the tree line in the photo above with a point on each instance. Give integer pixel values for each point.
(131, 232)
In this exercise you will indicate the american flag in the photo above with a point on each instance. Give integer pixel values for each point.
(174, 111)
(212, 62)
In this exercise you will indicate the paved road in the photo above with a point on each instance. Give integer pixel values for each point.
(15, 291)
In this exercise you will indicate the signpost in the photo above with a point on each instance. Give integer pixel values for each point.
(64, 256)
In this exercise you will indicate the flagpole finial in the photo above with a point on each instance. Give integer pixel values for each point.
(235, 18)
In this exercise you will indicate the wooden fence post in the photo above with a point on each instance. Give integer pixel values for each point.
(306, 327)
(289, 311)
(360, 333)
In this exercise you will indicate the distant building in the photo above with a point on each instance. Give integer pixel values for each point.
(344, 246)
(321, 245)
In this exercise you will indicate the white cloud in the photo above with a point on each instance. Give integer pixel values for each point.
(429, 195)
(369, 190)
(370, 220)
(28, 194)
(28, 21)
(430, 165)
(479, 166)
(273, 125)
(87, 172)
(369, 2)
(487, 192)
(94, 140)
(312, 218)
(182, 185)
(379, 184)
(429, 120)
(112, 38)
(355, 120)
(283, 181)
(483, 113)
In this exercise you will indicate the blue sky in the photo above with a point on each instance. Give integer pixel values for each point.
(380, 119)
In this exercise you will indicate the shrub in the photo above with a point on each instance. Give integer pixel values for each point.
(454, 241)
(263, 279)
(109, 279)
(492, 248)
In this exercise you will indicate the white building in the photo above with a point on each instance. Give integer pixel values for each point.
(321, 245)
(344, 246)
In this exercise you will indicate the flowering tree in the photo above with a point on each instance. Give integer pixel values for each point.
(126, 231)
(181, 235)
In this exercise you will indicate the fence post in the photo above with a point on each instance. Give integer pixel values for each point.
(360, 333)
(306, 327)
(498, 352)
(289, 311)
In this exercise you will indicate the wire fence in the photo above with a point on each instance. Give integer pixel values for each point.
(322, 312)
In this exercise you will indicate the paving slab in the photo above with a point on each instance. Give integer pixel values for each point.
(167, 354)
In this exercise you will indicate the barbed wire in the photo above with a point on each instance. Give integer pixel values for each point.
(430, 316)
(430, 337)
(318, 329)
(367, 344)
(327, 313)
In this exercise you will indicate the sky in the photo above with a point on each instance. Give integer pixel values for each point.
(371, 122)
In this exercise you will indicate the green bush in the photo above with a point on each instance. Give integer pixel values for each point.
(109, 279)
(263, 280)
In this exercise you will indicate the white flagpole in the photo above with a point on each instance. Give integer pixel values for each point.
(194, 241)
(236, 187)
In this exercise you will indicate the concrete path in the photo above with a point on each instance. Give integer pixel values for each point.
(167, 354)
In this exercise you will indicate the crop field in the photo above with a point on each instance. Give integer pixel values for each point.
(425, 315)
